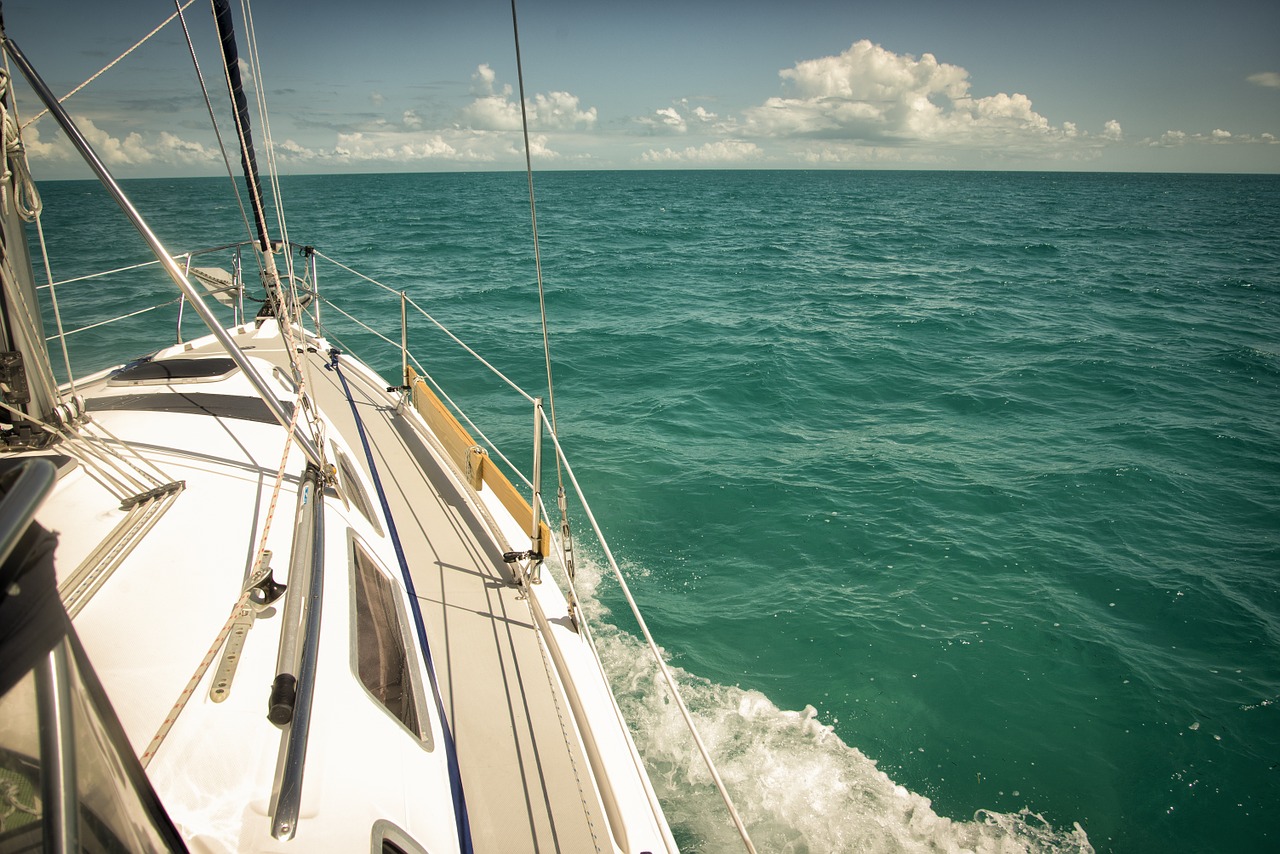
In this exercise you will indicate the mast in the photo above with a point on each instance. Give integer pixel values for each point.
(244, 132)
(248, 162)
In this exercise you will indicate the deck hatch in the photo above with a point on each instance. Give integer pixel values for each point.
(163, 371)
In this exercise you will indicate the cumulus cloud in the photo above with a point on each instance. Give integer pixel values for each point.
(175, 149)
(127, 153)
(388, 147)
(1176, 138)
(722, 152)
(130, 150)
(483, 80)
(37, 148)
(396, 146)
(679, 118)
(496, 110)
(1269, 79)
(873, 95)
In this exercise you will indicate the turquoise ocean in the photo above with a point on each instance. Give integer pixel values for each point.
(953, 498)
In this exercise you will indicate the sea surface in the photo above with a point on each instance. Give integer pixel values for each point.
(953, 498)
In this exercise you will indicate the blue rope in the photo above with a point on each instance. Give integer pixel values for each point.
(451, 755)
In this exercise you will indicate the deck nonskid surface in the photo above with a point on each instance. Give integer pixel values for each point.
(524, 775)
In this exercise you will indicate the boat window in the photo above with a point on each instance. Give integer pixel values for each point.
(380, 650)
(353, 489)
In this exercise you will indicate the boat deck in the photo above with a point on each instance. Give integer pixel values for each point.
(527, 781)
(525, 777)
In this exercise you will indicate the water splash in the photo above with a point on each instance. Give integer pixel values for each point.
(798, 786)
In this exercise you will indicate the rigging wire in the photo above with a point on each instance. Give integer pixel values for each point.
(546, 349)
(533, 213)
(28, 206)
(273, 172)
(292, 307)
(565, 533)
(275, 288)
(551, 394)
(217, 132)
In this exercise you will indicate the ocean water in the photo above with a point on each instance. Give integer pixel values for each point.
(954, 498)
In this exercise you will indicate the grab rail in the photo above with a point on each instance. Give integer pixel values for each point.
(291, 695)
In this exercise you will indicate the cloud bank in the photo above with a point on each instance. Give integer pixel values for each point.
(864, 107)
(869, 104)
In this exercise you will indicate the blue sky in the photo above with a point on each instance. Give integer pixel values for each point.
(392, 85)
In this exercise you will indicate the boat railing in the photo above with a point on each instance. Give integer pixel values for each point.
(528, 514)
(476, 455)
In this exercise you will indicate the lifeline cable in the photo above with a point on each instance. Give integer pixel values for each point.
(565, 534)
(567, 542)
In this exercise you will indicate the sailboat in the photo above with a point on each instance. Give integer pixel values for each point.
(255, 597)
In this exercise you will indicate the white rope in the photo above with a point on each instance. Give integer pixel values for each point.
(87, 455)
(108, 66)
(27, 205)
(238, 609)
(158, 477)
(25, 318)
(14, 160)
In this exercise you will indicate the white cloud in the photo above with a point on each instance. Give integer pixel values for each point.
(376, 98)
(868, 72)
(1174, 138)
(411, 120)
(559, 111)
(123, 153)
(875, 97)
(492, 112)
(403, 148)
(497, 111)
(175, 149)
(837, 153)
(114, 151)
(59, 149)
(723, 152)
(679, 118)
(670, 118)
(484, 78)
(390, 147)
(1269, 79)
